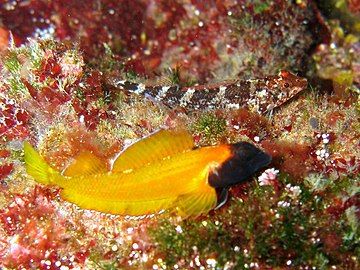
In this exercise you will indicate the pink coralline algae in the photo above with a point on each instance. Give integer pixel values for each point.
(31, 232)
(35, 233)
(268, 177)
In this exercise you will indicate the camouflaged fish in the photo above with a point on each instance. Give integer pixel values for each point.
(161, 172)
(259, 95)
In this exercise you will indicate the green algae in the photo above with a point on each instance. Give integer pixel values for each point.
(210, 126)
(12, 63)
(262, 229)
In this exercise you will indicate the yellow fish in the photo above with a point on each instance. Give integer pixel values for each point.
(161, 172)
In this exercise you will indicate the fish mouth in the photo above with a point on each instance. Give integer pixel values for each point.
(246, 159)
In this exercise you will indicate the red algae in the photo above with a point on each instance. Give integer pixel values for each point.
(5, 170)
(249, 124)
(292, 158)
(13, 120)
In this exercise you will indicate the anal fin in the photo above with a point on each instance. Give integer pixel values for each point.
(116, 207)
(194, 204)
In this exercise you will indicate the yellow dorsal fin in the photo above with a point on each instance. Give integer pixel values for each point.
(157, 146)
(86, 163)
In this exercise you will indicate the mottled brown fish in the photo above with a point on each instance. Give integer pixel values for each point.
(259, 95)
(161, 172)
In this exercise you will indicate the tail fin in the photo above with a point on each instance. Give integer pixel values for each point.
(36, 166)
(245, 161)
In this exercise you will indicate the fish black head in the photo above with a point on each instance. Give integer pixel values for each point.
(246, 159)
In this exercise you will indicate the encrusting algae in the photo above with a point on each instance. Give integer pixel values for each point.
(161, 172)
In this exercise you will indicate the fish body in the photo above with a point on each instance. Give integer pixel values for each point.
(260, 95)
(161, 172)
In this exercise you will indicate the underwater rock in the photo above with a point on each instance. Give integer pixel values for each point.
(209, 40)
